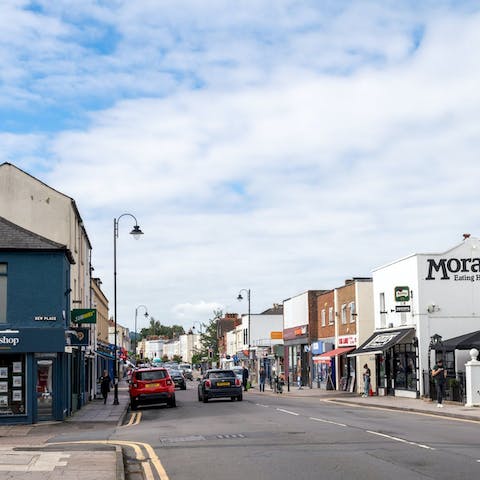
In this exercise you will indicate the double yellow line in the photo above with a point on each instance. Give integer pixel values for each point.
(144, 453)
(134, 419)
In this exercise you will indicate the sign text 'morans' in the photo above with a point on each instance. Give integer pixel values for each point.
(446, 266)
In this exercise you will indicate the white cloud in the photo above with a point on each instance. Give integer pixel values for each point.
(311, 154)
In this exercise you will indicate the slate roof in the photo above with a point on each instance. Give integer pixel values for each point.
(14, 237)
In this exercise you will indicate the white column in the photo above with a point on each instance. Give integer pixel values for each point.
(472, 372)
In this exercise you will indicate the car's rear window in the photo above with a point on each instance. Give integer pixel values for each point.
(225, 374)
(151, 375)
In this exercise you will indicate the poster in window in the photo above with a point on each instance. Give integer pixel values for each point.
(16, 396)
(16, 381)
(3, 387)
(3, 401)
(3, 372)
(17, 367)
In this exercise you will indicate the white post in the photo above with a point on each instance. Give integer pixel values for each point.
(472, 372)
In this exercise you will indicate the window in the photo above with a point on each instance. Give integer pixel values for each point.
(3, 293)
(353, 313)
(344, 314)
(330, 316)
(383, 313)
(324, 319)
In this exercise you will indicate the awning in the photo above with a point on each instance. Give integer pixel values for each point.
(462, 342)
(327, 356)
(381, 341)
(105, 355)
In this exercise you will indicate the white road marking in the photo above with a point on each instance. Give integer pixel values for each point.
(287, 411)
(260, 405)
(397, 439)
(328, 421)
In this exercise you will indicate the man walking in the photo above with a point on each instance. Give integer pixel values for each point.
(366, 380)
(439, 374)
(262, 376)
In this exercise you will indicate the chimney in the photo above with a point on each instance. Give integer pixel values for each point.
(466, 235)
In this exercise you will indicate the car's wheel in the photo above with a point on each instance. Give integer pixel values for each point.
(232, 399)
(240, 398)
(184, 387)
(172, 402)
(133, 405)
(204, 398)
(199, 396)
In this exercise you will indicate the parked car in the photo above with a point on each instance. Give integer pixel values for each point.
(178, 378)
(219, 384)
(151, 385)
(238, 373)
(186, 368)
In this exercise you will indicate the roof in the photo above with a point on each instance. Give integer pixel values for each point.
(14, 237)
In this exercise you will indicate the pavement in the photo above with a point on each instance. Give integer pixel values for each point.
(43, 452)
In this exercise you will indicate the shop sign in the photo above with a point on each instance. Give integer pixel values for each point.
(78, 337)
(402, 294)
(380, 340)
(461, 269)
(276, 335)
(300, 331)
(347, 341)
(84, 315)
(6, 343)
(402, 308)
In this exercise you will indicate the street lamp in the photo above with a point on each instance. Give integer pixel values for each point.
(240, 298)
(200, 325)
(136, 314)
(136, 232)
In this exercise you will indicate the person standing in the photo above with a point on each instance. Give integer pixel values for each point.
(262, 376)
(439, 374)
(245, 378)
(366, 380)
(105, 383)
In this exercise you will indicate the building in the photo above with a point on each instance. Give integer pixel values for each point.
(300, 329)
(419, 300)
(33, 205)
(35, 370)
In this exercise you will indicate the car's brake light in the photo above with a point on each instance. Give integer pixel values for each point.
(208, 383)
(237, 382)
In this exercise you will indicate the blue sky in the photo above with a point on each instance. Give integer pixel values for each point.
(278, 146)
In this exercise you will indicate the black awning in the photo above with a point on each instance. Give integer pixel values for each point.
(462, 342)
(382, 340)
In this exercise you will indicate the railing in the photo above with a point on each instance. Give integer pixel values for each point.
(455, 389)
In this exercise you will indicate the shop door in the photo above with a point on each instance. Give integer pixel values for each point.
(45, 389)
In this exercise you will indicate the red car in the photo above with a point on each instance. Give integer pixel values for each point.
(151, 385)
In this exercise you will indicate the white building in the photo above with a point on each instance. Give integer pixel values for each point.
(189, 345)
(153, 349)
(415, 299)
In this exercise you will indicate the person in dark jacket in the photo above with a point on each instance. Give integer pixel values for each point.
(245, 378)
(263, 377)
(105, 382)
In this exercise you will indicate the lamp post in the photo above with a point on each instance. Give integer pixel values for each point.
(240, 298)
(136, 232)
(136, 314)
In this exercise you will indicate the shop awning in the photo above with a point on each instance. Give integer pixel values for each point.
(105, 355)
(462, 342)
(381, 341)
(327, 356)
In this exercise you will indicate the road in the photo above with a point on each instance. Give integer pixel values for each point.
(273, 437)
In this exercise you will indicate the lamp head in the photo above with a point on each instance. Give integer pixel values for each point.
(239, 298)
(136, 232)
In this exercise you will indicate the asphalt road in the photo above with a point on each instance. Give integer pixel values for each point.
(271, 437)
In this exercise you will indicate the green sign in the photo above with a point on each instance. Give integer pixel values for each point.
(402, 294)
(84, 315)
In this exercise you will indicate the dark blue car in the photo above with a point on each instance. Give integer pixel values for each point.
(219, 384)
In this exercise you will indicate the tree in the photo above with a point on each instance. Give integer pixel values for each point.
(209, 339)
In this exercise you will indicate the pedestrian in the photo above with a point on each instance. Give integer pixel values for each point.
(262, 376)
(299, 381)
(366, 380)
(105, 382)
(245, 378)
(439, 374)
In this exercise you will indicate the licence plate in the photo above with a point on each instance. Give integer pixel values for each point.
(152, 385)
(223, 384)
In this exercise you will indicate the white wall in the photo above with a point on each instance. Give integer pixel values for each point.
(295, 311)
(262, 326)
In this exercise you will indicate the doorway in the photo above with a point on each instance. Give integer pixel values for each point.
(45, 389)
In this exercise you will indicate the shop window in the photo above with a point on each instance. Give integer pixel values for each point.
(330, 316)
(405, 367)
(12, 385)
(344, 314)
(3, 293)
(324, 318)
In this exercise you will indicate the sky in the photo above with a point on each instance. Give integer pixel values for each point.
(273, 146)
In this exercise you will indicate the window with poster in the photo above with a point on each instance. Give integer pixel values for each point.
(12, 385)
